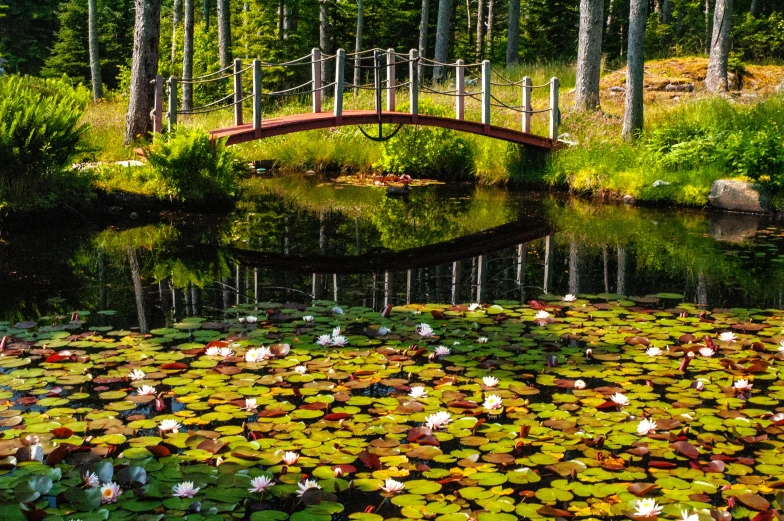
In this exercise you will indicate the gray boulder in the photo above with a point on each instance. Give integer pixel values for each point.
(739, 196)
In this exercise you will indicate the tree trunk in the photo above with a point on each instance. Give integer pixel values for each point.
(176, 21)
(423, 22)
(144, 68)
(287, 18)
(187, 57)
(206, 10)
(574, 268)
(609, 16)
(754, 9)
(95, 60)
(589, 55)
(635, 71)
(480, 30)
(324, 39)
(442, 37)
(513, 34)
(621, 275)
(489, 44)
(358, 47)
(224, 33)
(665, 12)
(281, 17)
(716, 79)
(138, 287)
(706, 45)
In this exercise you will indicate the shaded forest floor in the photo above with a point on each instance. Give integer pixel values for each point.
(597, 163)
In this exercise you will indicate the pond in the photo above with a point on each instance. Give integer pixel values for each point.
(326, 352)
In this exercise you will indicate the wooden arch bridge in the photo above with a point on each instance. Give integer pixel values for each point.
(391, 71)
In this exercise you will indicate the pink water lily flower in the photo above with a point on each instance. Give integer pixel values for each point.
(185, 489)
(110, 492)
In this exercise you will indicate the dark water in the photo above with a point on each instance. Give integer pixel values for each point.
(294, 240)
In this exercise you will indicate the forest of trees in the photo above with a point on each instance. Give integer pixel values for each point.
(59, 37)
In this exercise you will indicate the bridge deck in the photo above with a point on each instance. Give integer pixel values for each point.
(312, 121)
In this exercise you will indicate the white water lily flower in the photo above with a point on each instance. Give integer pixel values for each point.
(482, 340)
(290, 458)
(442, 351)
(253, 355)
(308, 318)
(260, 484)
(91, 479)
(110, 492)
(250, 404)
(490, 381)
(391, 486)
(212, 351)
(324, 340)
(646, 427)
(727, 336)
(169, 425)
(474, 306)
(185, 489)
(492, 402)
(306, 485)
(742, 385)
(707, 352)
(647, 508)
(383, 330)
(301, 369)
(777, 417)
(579, 384)
(417, 391)
(339, 341)
(424, 330)
(569, 298)
(653, 351)
(250, 319)
(225, 352)
(137, 374)
(685, 516)
(620, 399)
(542, 314)
(438, 420)
(145, 390)
(336, 331)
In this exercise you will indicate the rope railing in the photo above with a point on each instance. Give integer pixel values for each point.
(384, 64)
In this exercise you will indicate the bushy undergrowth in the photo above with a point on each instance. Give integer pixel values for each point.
(40, 133)
(685, 150)
(190, 167)
(428, 151)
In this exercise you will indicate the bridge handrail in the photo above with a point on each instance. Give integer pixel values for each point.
(464, 74)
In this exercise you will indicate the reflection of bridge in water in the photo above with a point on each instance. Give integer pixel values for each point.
(469, 252)
(471, 81)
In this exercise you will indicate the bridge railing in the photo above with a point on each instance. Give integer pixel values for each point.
(475, 81)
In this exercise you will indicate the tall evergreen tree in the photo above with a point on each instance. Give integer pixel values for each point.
(716, 78)
(635, 70)
(224, 33)
(95, 60)
(187, 55)
(589, 55)
(513, 34)
(144, 67)
(27, 33)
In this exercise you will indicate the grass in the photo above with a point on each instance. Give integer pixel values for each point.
(600, 163)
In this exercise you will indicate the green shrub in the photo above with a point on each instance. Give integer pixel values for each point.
(192, 167)
(40, 134)
(434, 152)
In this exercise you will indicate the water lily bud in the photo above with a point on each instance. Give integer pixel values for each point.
(588, 353)
(337, 472)
(31, 439)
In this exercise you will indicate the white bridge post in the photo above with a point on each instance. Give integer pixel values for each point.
(555, 113)
(316, 85)
(527, 89)
(460, 88)
(237, 92)
(340, 66)
(486, 92)
(413, 84)
(172, 103)
(157, 115)
(256, 94)
(391, 80)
